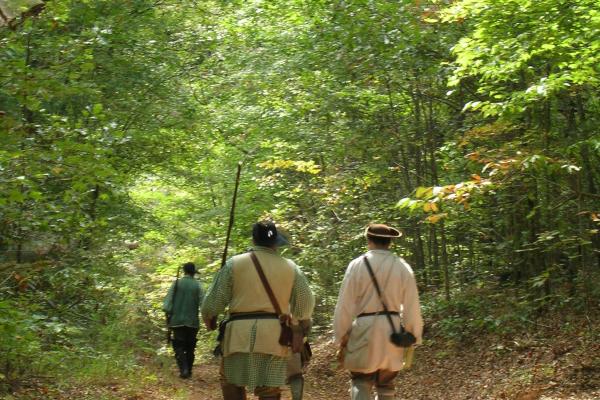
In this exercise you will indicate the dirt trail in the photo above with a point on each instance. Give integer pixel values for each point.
(525, 371)
(519, 369)
(204, 385)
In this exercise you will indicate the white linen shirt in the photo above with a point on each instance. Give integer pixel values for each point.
(369, 347)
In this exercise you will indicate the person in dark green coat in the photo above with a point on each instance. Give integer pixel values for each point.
(182, 305)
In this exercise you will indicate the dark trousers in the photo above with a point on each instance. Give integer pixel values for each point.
(184, 345)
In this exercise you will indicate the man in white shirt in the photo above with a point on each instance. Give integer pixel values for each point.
(362, 326)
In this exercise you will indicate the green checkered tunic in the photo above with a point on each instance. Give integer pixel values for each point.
(255, 369)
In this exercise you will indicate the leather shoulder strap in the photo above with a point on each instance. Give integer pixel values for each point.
(378, 289)
(265, 283)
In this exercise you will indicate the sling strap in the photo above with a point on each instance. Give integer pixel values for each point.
(265, 283)
(288, 336)
(387, 312)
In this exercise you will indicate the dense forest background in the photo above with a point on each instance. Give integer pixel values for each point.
(471, 125)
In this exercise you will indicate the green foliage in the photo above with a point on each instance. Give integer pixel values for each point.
(470, 125)
(82, 322)
(85, 108)
(526, 52)
(20, 346)
(479, 313)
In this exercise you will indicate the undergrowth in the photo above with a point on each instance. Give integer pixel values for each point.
(506, 311)
(76, 323)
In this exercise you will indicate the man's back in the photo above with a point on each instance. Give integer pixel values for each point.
(249, 294)
(183, 303)
(369, 347)
(253, 358)
(393, 275)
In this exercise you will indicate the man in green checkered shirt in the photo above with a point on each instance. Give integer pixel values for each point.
(252, 355)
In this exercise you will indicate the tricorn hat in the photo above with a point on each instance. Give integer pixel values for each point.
(381, 230)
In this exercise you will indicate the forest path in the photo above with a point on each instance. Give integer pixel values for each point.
(561, 368)
(556, 371)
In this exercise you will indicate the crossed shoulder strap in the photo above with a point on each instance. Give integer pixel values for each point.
(265, 283)
(380, 294)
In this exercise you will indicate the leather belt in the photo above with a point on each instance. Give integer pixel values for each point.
(252, 315)
(369, 314)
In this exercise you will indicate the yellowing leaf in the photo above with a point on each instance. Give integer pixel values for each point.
(301, 166)
(423, 192)
(449, 188)
(474, 156)
(430, 206)
(435, 218)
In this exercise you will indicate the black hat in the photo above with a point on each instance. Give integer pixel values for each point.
(381, 230)
(265, 233)
(189, 268)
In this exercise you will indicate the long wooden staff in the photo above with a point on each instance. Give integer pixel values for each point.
(213, 321)
(231, 213)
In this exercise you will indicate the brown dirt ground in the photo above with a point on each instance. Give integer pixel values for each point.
(518, 369)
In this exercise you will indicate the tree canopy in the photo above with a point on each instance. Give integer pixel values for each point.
(470, 125)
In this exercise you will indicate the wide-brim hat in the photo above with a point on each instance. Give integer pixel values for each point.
(382, 231)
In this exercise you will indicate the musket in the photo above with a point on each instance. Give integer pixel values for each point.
(213, 321)
(231, 213)
(169, 330)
